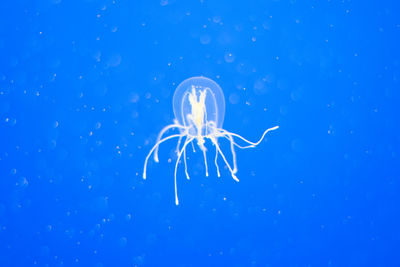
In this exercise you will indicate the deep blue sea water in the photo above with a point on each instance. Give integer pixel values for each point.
(86, 86)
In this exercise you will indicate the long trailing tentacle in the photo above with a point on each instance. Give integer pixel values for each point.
(184, 160)
(187, 141)
(163, 130)
(252, 144)
(154, 147)
(194, 150)
(178, 145)
(205, 161)
(213, 135)
(233, 154)
(184, 154)
(216, 158)
(223, 157)
(228, 137)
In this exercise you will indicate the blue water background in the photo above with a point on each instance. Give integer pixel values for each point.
(85, 87)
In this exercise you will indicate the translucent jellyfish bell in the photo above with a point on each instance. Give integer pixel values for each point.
(214, 101)
(199, 108)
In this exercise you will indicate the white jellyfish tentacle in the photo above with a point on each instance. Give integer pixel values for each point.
(229, 137)
(223, 157)
(163, 130)
(187, 141)
(184, 154)
(216, 158)
(178, 145)
(233, 153)
(225, 135)
(154, 147)
(213, 135)
(194, 150)
(252, 144)
(184, 160)
(205, 161)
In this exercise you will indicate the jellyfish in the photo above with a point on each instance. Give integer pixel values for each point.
(199, 109)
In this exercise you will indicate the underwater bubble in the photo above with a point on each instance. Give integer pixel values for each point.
(205, 39)
(216, 19)
(229, 57)
(234, 98)
(259, 87)
(10, 121)
(22, 182)
(114, 60)
(134, 98)
(122, 241)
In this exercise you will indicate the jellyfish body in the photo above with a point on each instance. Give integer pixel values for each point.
(199, 108)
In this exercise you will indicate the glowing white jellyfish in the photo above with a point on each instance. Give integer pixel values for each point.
(199, 108)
